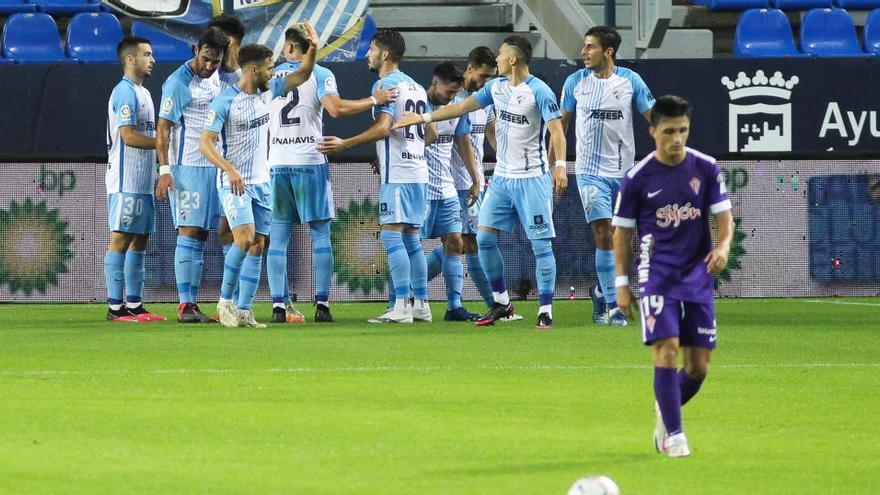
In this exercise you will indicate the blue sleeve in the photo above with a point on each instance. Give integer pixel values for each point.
(175, 96)
(546, 100)
(642, 96)
(326, 82)
(125, 105)
(567, 101)
(218, 113)
(484, 96)
(277, 86)
(463, 127)
(387, 107)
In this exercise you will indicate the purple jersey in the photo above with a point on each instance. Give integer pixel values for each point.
(670, 206)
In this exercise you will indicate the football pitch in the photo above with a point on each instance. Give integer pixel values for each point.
(791, 404)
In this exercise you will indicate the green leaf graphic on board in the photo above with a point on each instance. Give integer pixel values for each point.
(360, 259)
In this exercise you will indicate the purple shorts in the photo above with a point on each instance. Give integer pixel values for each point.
(693, 323)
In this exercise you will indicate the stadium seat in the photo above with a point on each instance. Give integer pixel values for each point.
(32, 38)
(872, 32)
(764, 33)
(737, 4)
(67, 7)
(5, 61)
(14, 6)
(92, 37)
(857, 4)
(165, 47)
(829, 33)
(801, 4)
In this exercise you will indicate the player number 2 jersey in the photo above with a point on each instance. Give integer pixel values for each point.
(521, 114)
(670, 207)
(402, 154)
(478, 119)
(130, 170)
(603, 118)
(296, 122)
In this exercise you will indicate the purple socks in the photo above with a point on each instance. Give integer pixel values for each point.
(668, 394)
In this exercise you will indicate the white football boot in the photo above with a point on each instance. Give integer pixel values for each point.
(421, 311)
(401, 313)
(677, 445)
(246, 319)
(228, 314)
(659, 431)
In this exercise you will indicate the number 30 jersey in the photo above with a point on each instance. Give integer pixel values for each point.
(402, 153)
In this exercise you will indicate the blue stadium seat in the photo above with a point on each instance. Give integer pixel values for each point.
(872, 32)
(67, 7)
(801, 4)
(92, 37)
(5, 61)
(829, 33)
(14, 6)
(737, 4)
(857, 4)
(764, 33)
(165, 47)
(32, 38)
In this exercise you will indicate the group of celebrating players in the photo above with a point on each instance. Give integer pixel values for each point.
(240, 147)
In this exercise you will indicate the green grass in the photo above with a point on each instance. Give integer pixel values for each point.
(791, 405)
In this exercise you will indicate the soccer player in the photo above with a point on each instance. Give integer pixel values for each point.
(241, 114)
(521, 186)
(131, 142)
(669, 196)
(444, 210)
(601, 97)
(301, 189)
(404, 174)
(184, 171)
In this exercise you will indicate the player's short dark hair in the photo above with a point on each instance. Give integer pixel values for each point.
(449, 72)
(391, 41)
(521, 44)
(608, 38)
(253, 53)
(482, 55)
(229, 24)
(214, 39)
(129, 46)
(669, 107)
(295, 36)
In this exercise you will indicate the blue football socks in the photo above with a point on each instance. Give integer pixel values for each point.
(114, 274)
(276, 259)
(322, 260)
(249, 280)
(398, 262)
(183, 269)
(475, 272)
(605, 272)
(493, 265)
(545, 272)
(453, 273)
(418, 265)
(231, 268)
(135, 272)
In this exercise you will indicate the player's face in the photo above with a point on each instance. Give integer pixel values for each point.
(207, 61)
(505, 54)
(444, 92)
(263, 73)
(374, 57)
(670, 137)
(144, 61)
(476, 78)
(592, 53)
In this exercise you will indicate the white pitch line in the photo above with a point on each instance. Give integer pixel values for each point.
(370, 369)
(850, 303)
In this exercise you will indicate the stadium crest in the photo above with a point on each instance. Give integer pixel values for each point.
(764, 124)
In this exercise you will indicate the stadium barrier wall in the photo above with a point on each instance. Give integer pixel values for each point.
(743, 108)
(804, 228)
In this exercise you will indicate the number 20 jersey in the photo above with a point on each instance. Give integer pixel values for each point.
(402, 153)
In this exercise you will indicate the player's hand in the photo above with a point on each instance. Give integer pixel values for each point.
(236, 183)
(716, 260)
(473, 194)
(165, 183)
(560, 181)
(311, 34)
(384, 96)
(625, 301)
(408, 119)
(331, 145)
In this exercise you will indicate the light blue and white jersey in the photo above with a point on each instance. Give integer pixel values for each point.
(604, 119)
(402, 153)
(441, 184)
(185, 101)
(521, 113)
(296, 122)
(478, 119)
(130, 170)
(242, 120)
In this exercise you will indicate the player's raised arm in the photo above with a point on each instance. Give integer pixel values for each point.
(337, 107)
(304, 71)
(163, 134)
(380, 129)
(447, 112)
